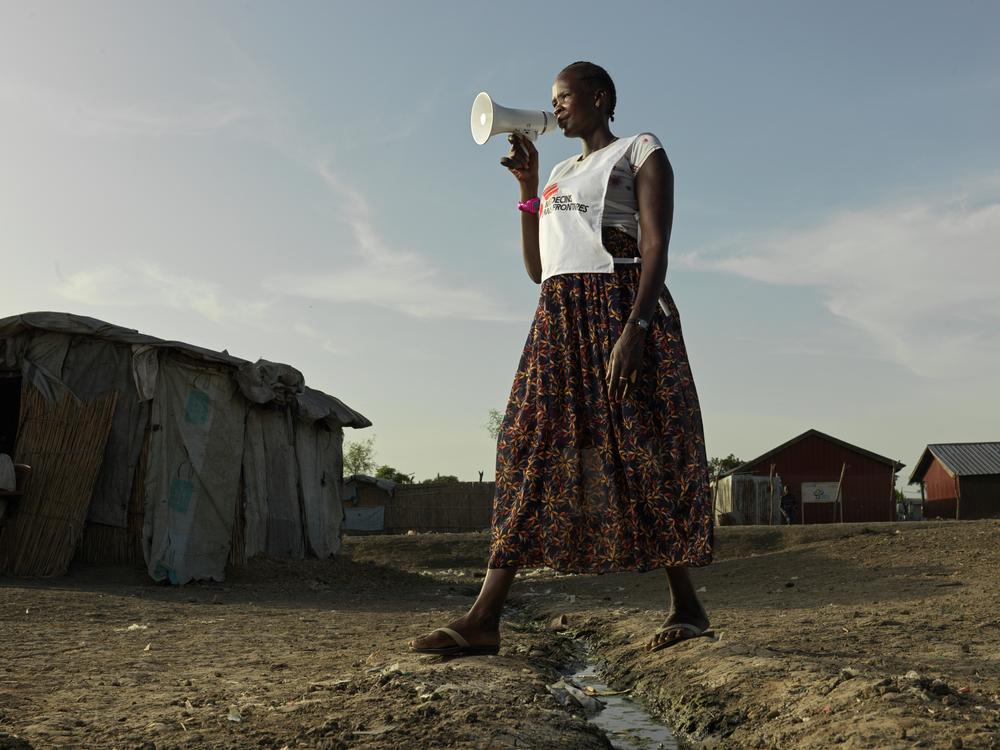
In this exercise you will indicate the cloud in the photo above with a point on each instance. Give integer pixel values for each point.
(392, 278)
(141, 283)
(85, 115)
(921, 279)
(249, 104)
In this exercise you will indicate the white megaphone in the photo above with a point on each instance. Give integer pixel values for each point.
(489, 118)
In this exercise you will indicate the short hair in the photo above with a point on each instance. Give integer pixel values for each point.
(598, 78)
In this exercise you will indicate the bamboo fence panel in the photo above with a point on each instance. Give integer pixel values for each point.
(100, 543)
(462, 506)
(65, 447)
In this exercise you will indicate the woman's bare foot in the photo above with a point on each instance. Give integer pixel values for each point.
(477, 631)
(666, 635)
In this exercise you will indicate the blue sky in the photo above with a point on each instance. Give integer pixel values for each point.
(298, 182)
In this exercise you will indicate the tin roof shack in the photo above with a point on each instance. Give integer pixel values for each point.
(811, 466)
(158, 450)
(959, 480)
(365, 501)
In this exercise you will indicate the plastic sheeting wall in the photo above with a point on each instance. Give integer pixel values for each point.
(284, 515)
(254, 487)
(203, 431)
(754, 498)
(317, 450)
(91, 369)
(192, 485)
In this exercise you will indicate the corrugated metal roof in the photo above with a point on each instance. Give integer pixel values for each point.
(968, 459)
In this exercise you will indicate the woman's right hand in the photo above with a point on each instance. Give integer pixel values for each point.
(522, 161)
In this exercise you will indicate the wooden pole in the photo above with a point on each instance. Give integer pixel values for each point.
(770, 497)
(840, 499)
(958, 496)
(892, 492)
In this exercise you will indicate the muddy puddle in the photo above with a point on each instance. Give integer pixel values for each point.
(625, 722)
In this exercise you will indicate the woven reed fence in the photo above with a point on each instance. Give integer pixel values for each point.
(65, 447)
(460, 506)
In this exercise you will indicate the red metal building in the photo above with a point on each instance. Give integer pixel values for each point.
(869, 480)
(959, 480)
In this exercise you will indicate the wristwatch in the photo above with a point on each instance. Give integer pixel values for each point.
(641, 322)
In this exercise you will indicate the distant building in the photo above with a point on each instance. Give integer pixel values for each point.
(365, 499)
(810, 466)
(959, 480)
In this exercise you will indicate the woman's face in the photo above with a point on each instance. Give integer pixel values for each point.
(576, 107)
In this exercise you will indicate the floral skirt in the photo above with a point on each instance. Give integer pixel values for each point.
(584, 484)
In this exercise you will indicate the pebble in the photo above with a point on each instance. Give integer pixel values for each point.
(940, 687)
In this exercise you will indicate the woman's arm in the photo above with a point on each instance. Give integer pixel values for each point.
(523, 164)
(654, 187)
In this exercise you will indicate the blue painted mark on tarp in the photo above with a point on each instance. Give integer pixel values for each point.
(199, 405)
(181, 491)
(163, 571)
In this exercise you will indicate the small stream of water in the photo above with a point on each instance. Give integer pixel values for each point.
(627, 724)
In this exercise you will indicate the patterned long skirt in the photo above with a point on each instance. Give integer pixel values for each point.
(584, 484)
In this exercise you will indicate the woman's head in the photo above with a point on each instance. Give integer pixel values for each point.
(584, 97)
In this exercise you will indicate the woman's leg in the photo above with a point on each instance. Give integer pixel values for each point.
(684, 607)
(480, 626)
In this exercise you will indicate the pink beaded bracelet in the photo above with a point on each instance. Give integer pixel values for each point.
(530, 206)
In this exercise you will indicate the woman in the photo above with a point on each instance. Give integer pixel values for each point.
(600, 458)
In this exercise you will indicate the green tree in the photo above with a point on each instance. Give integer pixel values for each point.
(718, 466)
(359, 457)
(493, 422)
(387, 472)
(440, 478)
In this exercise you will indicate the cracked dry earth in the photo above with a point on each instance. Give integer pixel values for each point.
(860, 636)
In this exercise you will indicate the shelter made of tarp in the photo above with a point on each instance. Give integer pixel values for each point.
(208, 457)
(746, 499)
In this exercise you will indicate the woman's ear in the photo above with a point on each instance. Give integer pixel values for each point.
(600, 97)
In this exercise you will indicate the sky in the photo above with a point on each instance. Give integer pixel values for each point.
(297, 182)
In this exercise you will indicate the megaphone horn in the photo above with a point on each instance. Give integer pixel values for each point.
(489, 118)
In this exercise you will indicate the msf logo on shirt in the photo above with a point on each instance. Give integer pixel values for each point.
(552, 201)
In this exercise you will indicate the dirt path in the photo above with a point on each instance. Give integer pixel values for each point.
(833, 636)
(887, 639)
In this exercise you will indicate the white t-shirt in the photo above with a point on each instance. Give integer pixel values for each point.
(620, 206)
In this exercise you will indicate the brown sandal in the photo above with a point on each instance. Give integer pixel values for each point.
(461, 648)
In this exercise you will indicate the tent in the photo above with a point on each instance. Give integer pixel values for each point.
(143, 448)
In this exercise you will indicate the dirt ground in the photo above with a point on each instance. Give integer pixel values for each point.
(877, 636)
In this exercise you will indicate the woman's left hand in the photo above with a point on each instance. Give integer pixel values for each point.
(626, 359)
